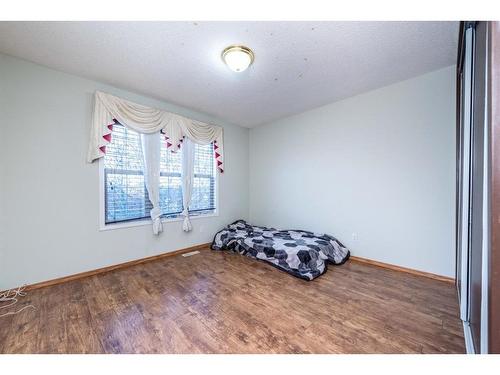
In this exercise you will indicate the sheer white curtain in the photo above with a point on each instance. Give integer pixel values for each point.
(150, 122)
(187, 180)
(151, 157)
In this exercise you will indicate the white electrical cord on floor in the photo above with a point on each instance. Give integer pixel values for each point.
(11, 297)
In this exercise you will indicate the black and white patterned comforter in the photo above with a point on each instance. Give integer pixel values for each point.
(300, 253)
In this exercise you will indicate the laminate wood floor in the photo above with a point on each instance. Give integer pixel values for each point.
(221, 302)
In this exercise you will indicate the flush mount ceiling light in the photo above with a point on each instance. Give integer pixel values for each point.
(237, 58)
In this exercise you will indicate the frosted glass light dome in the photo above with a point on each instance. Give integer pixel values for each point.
(237, 58)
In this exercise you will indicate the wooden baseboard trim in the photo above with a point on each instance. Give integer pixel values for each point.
(114, 267)
(403, 269)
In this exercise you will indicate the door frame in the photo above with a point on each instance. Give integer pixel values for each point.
(464, 159)
(494, 170)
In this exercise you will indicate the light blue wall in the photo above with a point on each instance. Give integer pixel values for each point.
(380, 165)
(50, 212)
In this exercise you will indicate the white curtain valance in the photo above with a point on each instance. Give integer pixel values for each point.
(109, 109)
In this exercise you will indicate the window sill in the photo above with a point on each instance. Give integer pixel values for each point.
(142, 222)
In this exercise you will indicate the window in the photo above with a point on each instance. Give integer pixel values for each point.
(125, 195)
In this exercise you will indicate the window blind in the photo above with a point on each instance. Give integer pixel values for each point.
(203, 195)
(126, 196)
(125, 192)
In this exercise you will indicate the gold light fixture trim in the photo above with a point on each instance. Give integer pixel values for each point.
(238, 48)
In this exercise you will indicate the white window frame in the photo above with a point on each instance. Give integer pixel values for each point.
(146, 221)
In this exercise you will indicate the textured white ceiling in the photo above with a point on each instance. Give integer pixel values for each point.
(298, 65)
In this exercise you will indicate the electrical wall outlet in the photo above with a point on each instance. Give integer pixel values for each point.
(354, 236)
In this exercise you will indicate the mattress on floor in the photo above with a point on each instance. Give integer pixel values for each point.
(301, 253)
